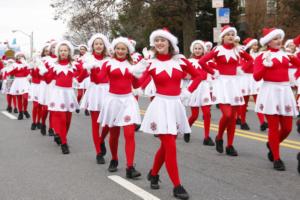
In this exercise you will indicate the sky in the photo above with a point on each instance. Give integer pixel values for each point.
(28, 16)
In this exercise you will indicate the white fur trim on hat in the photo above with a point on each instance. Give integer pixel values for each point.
(19, 53)
(100, 36)
(267, 38)
(45, 46)
(289, 41)
(65, 42)
(165, 34)
(250, 44)
(83, 45)
(198, 42)
(123, 40)
(227, 30)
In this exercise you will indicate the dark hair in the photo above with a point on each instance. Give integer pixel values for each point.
(43, 52)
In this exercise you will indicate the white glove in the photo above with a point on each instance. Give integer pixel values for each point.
(185, 94)
(216, 74)
(138, 69)
(239, 71)
(42, 69)
(148, 54)
(267, 59)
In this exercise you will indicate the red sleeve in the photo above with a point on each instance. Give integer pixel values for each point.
(49, 76)
(101, 74)
(297, 40)
(259, 69)
(146, 82)
(203, 61)
(196, 75)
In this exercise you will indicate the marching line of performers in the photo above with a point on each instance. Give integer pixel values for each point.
(110, 77)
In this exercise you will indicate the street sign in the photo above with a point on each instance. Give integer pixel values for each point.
(224, 16)
(217, 32)
(217, 3)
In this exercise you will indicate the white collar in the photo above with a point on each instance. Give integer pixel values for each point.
(174, 63)
(279, 55)
(58, 68)
(122, 65)
(195, 63)
(228, 53)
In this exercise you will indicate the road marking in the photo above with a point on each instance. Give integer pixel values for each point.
(133, 188)
(7, 114)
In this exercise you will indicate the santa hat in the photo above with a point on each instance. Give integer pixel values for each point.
(226, 29)
(64, 42)
(52, 43)
(83, 45)
(248, 42)
(288, 42)
(123, 40)
(237, 38)
(46, 45)
(20, 53)
(198, 42)
(100, 36)
(269, 34)
(165, 33)
(208, 44)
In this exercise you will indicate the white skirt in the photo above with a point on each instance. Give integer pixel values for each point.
(94, 97)
(201, 96)
(249, 85)
(62, 99)
(292, 78)
(298, 85)
(42, 93)
(119, 110)
(165, 115)
(34, 90)
(6, 85)
(227, 90)
(276, 98)
(19, 86)
(150, 89)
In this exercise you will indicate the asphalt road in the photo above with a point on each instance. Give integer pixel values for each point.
(32, 166)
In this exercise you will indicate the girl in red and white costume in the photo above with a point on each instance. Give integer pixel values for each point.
(97, 91)
(290, 47)
(20, 85)
(250, 86)
(201, 97)
(62, 100)
(226, 90)
(275, 98)
(166, 116)
(120, 109)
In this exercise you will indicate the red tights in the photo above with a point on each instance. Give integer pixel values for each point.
(22, 102)
(36, 112)
(61, 124)
(206, 118)
(97, 138)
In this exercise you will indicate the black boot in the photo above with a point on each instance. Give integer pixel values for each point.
(270, 154)
(279, 165)
(20, 117)
(113, 166)
(153, 181)
(245, 126)
(187, 137)
(43, 129)
(298, 158)
(231, 151)
(100, 159)
(132, 173)
(208, 142)
(77, 111)
(264, 126)
(137, 127)
(65, 149)
(51, 132)
(180, 193)
(16, 110)
(57, 140)
(238, 121)
(27, 115)
(38, 125)
(9, 109)
(219, 146)
(87, 113)
(33, 126)
(103, 149)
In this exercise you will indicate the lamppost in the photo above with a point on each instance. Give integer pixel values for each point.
(30, 37)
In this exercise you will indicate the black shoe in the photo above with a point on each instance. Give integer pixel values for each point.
(245, 126)
(38, 125)
(218, 106)
(298, 158)
(279, 165)
(187, 137)
(33, 126)
(132, 173)
(113, 166)
(87, 113)
(57, 140)
(153, 181)
(51, 132)
(27, 115)
(77, 111)
(231, 151)
(298, 126)
(208, 142)
(238, 121)
(137, 127)
(219, 146)
(180, 193)
(9, 109)
(103, 149)
(264, 126)
(20, 117)
(43, 129)
(65, 149)
(100, 159)
(16, 110)
(270, 154)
